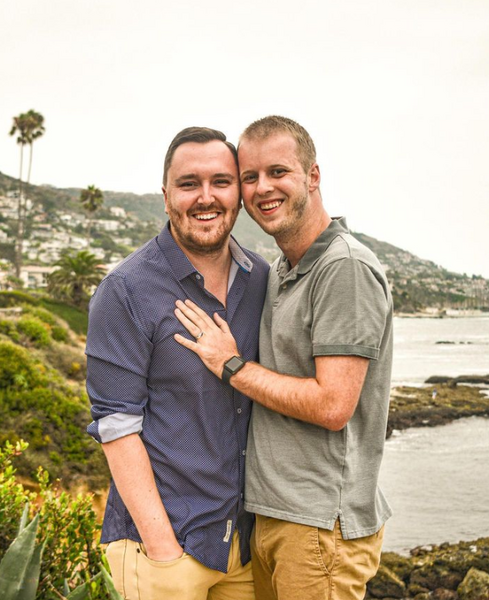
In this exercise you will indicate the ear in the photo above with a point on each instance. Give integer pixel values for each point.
(314, 178)
(165, 194)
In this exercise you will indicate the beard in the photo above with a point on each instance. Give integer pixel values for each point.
(288, 225)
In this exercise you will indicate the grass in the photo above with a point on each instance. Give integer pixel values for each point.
(77, 319)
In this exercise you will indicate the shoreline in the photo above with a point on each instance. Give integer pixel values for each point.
(440, 401)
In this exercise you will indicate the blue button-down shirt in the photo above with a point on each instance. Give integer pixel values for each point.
(140, 380)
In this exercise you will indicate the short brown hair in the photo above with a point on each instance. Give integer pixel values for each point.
(199, 135)
(264, 128)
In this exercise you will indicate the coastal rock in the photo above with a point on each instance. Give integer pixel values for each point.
(473, 379)
(475, 586)
(386, 584)
(430, 406)
(444, 594)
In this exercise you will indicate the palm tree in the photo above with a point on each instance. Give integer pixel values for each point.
(78, 273)
(28, 126)
(91, 199)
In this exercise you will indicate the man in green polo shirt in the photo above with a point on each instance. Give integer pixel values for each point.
(322, 386)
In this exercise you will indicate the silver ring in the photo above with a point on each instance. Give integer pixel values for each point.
(200, 335)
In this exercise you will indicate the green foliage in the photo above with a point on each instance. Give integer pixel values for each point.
(39, 405)
(76, 318)
(21, 566)
(65, 526)
(57, 332)
(16, 298)
(77, 274)
(8, 328)
(35, 330)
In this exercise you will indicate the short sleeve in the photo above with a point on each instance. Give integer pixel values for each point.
(350, 307)
(118, 357)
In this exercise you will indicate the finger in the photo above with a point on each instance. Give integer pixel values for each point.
(187, 343)
(201, 313)
(221, 323)
(191, 314)
(187, 323)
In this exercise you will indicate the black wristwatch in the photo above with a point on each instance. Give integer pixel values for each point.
(231, 367)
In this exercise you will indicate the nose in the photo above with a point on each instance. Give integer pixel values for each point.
(206, 196)
(264, 185)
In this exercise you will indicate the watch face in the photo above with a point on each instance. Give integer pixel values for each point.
(234, 363)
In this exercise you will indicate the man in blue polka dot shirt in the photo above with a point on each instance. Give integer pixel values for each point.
(173, 433)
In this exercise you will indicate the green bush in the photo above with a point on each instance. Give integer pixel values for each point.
(18, 370)
(16, 298)
(35, 330)
(8, 328)
(67, 525)
(59, 334)
(40, 406)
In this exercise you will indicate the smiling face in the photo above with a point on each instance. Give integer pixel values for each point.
(274, 186)
(202, 196)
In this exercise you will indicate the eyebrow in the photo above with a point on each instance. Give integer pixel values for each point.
(190, 176)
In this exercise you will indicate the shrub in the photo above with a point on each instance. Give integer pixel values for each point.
(59, 334)
(16, 298)
(8, 328)
(35, 330)
(67, 525)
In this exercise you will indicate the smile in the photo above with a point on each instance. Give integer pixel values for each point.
(206, 216)
(270, 205)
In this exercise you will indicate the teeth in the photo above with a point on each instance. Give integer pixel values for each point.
(206, 216)
(270, 205)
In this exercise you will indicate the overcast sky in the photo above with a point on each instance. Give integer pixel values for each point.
(395, 94)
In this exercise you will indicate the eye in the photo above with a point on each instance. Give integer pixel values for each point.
(278, 172)
(188, 184)
(222, 182)
(250, 178)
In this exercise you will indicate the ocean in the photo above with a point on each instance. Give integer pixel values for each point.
(437, 478)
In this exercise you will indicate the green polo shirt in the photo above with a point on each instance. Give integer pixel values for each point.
(335, 301)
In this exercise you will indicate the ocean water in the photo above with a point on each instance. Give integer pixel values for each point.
(417, 356)
(437, 478)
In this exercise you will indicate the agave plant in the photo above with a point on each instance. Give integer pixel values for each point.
(20, 568)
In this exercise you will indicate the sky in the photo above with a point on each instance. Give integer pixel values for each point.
(395, 94)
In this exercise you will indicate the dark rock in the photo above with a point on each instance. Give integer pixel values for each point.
(475, 586)
(386, 584)
(402, 566)
(444, 594)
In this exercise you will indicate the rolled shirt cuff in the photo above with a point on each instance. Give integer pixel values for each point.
(115, 426)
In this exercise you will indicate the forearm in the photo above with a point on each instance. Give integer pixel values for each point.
(296, 397)
(133, 476)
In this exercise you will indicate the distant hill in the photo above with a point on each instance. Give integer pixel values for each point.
(416, 283)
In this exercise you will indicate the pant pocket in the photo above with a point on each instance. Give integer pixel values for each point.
(326, 548)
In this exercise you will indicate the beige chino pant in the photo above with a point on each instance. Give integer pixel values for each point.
(298, 562)
(137, 577)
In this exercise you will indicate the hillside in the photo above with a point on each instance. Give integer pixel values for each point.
(127, 220)
(42, 392)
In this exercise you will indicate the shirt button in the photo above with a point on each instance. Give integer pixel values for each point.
(284, 287)
(239, 411)
(197, 276)
(243, 453)
(241, 496)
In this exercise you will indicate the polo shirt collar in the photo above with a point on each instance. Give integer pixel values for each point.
(317, 248)
(181, 265)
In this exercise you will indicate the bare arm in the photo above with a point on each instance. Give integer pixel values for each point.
(329, 399)
(133, 476)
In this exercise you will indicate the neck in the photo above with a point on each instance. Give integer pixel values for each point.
(295, 243)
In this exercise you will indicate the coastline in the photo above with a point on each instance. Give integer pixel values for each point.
(441, 401)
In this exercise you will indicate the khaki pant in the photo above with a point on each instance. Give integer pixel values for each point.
(137, 577)
(298, 562)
